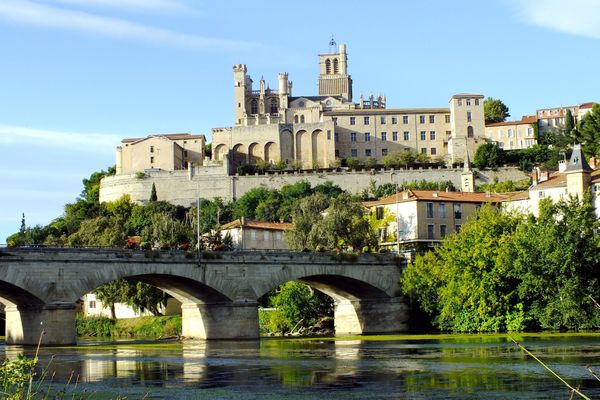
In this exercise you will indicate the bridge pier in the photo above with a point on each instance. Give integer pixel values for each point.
(236, 320)
(370, 316)
(24, 325)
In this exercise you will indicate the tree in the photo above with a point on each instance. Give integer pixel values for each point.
(23, 226)
(488, 155)
(153, 196)
(495, 110)
(246, 205)
(306, 216)
(570, 124)
(111, 293)
(589, 131)
(138, 295)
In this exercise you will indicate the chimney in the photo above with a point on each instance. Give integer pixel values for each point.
(243, 221)
(562, 165)
(535, 175)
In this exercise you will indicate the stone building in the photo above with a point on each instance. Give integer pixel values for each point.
(512, 135)
(314, 131)
(248, 234)
(169, 152)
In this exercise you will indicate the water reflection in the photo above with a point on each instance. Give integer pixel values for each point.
(465, 367)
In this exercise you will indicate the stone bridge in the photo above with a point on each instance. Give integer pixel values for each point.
(40, 287)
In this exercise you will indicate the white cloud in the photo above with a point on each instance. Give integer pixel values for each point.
(576, 17)
(134, 5)
(92, 142)
(29, 13)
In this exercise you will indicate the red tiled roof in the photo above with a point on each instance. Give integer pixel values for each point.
(436, 195)
(587, 105)
(526, 119)
(248, 223)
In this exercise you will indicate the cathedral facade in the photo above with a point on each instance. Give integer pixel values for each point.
(316, 131)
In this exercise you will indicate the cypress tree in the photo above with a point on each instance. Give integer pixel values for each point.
(153, 196)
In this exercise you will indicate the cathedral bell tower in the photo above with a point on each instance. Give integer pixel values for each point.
(333, 73)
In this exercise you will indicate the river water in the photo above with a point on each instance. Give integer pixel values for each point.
(385, 367)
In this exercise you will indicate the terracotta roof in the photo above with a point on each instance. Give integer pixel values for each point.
(587, 105)
(555, 179)
(516, 196)
(436, 195)
(526, 119)
(457, 95)
(172, 136)
(248, 223)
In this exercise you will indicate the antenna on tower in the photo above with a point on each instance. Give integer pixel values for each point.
(332, 45)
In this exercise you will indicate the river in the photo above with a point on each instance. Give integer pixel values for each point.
(385, 367)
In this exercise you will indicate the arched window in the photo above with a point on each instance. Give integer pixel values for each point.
(295, 119)
(328, 66)
(302, 119)
(470, 131)
(335, 65)
(273, 106)
(254, 107)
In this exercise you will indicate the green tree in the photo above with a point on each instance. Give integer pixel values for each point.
(247, 204)
(164, 231)
(23, 225)
(306, 217)
(569, 125)
(112, 293)
(352, 163)
(300, 305)
(488, 155)
(153, 196)
(589, 131)
(467, 283)
(494, 110)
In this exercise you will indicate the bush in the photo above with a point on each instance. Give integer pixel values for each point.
(99, 326)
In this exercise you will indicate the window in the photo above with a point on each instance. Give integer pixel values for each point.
(442, 231)
(457, 211)
(432, 119)
(510, 133)
(266, 235)
(353, 136)
(273, 106)
(151, 149)
(295, 119)
(394, 120)
(529, 131)
(253, 234)
(470, 131)
(366, 120)
(395, 136)
(328, 135)
(334, 119)
(353, 152)
(447, 118)
(368, 152)
(382, 120)
(302, 119)
(542, 194)
(460, 102)
(185, 153)
(367, 136)
(468, 102)
(430, 230)
(254, 107)
(406, 135)
(336, 136)
(352, 120)
(384, 152)
(432, 135)
(421, 119)
(457, 228)
(383, 136)
(378, 213)
(476, 102)
(92, 304)
(424, 150)
(423, 135)
(151, 160)
(433, 151)
(337, 152)
(429, 210)
(442, 210)
(301, 104)
(469, 116)
(405, 119)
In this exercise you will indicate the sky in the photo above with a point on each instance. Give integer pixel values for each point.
(77, 76)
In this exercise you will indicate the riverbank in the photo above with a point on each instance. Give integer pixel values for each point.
(159, 327)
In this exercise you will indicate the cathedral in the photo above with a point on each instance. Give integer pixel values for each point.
(320, 131)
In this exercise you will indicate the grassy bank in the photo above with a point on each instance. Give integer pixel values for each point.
(143, 327)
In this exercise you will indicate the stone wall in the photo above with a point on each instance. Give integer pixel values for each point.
(183, 187)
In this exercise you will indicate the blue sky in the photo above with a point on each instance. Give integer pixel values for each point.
(76, 76)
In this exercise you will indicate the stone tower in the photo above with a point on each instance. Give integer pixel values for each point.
(467, 122)
(467, 180)
(578, 173)
(333, 74)
(242, 84)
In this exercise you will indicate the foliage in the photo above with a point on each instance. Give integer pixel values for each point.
(504, 186)
(488, 155)
(306, 216)
(262, 166)
(149, 327)
(380, 225)
(505, 272)
(99, 326)
(399, 159)
(208, 150)
(247, 205)
(111, 293)
(153, 196)
(16, 377)
(589, 132)
(352, 163)
(494, 110)
(298, 304)
(370, 162)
